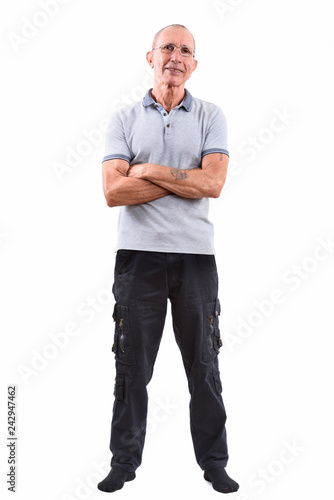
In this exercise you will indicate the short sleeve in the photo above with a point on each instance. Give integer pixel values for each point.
(115, 140)
(216, 137)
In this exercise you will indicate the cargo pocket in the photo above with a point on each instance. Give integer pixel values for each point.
(119, 388)
(211, 338)
(122, 347)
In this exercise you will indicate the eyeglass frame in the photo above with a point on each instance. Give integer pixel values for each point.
(177, 47)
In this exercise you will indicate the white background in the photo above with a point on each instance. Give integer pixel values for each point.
(256, 58)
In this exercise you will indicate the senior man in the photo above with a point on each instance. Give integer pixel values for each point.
(165, 157)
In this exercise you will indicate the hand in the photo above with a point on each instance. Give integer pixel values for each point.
(136, 171)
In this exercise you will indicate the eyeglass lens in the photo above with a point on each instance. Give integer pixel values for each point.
(170, 48)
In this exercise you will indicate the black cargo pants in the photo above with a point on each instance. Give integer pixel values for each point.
(143, 283)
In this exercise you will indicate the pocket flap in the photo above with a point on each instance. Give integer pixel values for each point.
(119, 388)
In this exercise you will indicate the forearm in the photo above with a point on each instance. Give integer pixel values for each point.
(131, 191)
(191, 183)
(119, 189)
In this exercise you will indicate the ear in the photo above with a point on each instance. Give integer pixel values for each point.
(149, 58)
(195, 62)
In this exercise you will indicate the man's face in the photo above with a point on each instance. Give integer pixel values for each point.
(172, 69)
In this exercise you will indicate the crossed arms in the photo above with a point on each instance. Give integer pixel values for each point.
(141, 183)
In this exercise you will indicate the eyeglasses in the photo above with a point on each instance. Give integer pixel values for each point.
(169, 48)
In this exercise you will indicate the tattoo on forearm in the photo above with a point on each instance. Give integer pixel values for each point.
(221, 157)
(178, 174)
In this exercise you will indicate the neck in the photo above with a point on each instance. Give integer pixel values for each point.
(168, 96)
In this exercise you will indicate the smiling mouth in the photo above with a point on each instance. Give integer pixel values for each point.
(174, 70)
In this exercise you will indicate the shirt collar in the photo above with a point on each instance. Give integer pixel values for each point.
(186, 103)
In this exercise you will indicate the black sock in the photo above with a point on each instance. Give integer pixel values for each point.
(221, 481)
(115, 480)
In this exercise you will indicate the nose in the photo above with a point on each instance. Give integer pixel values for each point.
(176, 56)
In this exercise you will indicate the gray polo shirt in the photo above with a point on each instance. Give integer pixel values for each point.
(144, 132)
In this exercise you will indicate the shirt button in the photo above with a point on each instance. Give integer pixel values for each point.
(168, 125)
(165, 114)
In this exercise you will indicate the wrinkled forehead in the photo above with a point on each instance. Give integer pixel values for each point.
(177, 36)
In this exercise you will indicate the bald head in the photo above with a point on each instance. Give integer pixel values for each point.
(157, 36)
